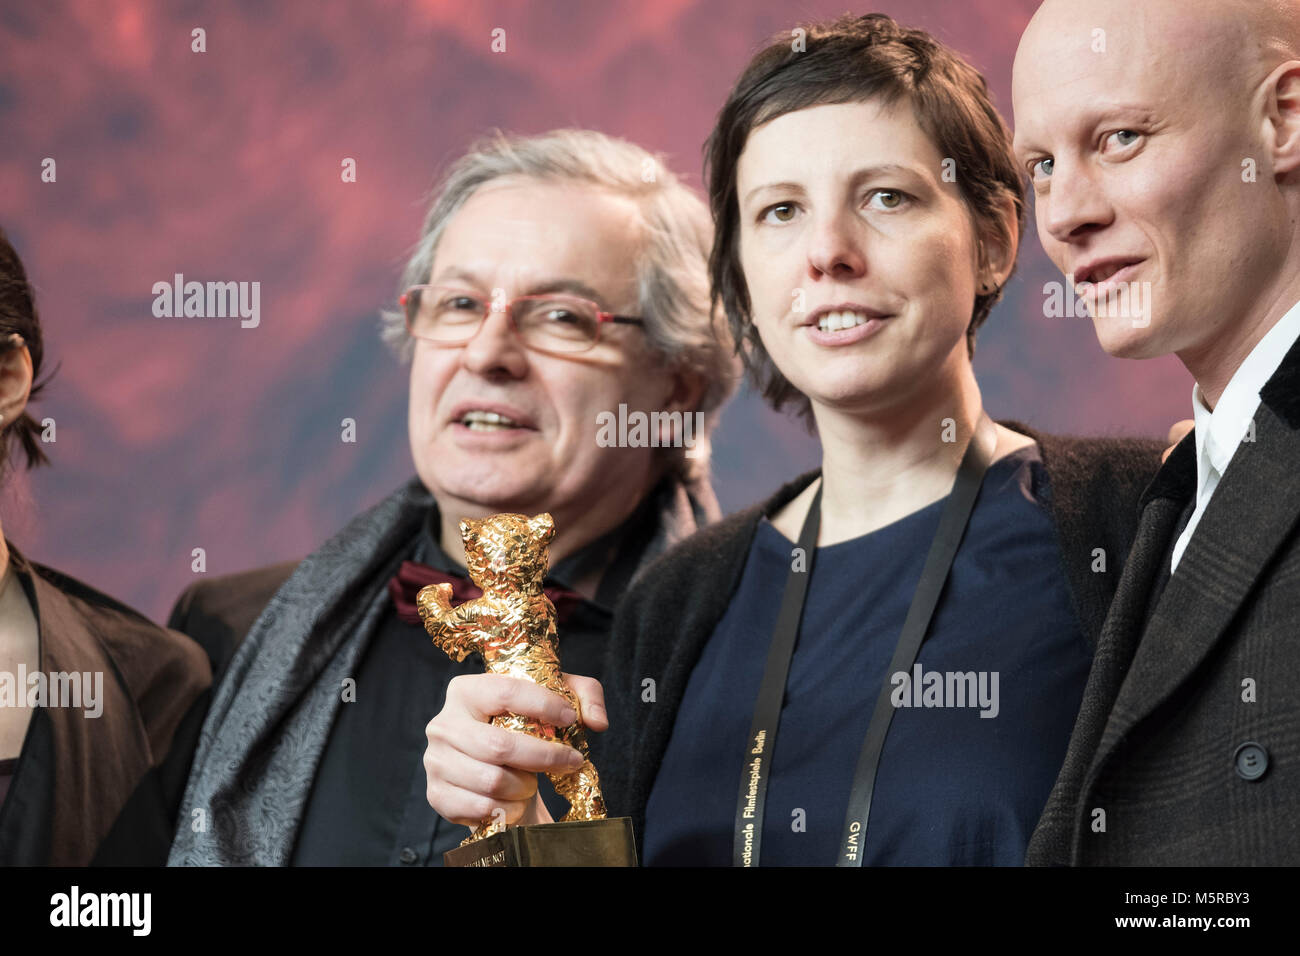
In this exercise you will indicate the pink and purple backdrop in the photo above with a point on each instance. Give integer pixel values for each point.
(174, 434)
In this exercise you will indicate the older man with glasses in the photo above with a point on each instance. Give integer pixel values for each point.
(557, 279)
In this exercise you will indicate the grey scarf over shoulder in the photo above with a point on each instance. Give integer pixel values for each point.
(266, 730)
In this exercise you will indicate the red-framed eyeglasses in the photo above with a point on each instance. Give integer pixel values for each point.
(550, 322)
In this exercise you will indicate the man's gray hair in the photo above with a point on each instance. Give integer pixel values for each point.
(673, 281)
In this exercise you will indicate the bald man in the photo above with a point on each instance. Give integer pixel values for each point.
(1163, 142)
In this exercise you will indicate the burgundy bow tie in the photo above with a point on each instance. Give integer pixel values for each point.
(413, 575)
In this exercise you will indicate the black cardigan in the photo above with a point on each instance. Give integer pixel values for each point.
(664, 621)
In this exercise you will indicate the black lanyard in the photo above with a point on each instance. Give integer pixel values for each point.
(761, 745)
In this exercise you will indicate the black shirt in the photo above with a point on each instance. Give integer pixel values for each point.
(367, 805)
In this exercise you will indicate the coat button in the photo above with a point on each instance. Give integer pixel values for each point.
(1251, 761)
(408, 855)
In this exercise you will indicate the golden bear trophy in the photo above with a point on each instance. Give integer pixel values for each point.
(512, 626)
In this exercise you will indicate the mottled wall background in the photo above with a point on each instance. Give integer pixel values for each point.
(225, 165)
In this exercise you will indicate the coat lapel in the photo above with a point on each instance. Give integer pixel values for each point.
(1250, 516)
(97, 762)
(1058, 833)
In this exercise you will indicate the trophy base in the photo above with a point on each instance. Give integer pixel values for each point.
(580, 843)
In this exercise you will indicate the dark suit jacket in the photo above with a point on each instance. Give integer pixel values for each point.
(1158, 748)
(218, 612)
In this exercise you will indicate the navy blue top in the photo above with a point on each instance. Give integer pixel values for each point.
(954, 787)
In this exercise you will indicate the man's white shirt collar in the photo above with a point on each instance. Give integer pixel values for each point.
(1220, 432)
